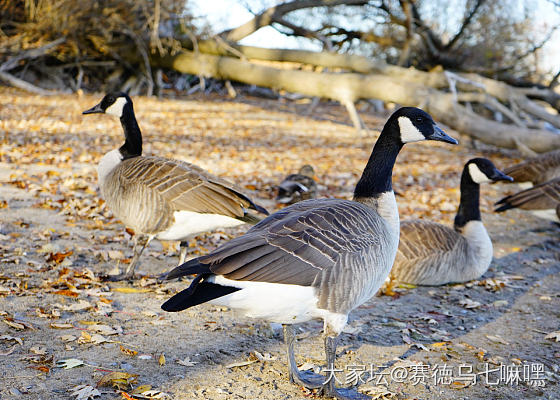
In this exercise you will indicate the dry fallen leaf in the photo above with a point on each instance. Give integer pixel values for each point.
(152, 394)
(469, 304)
(161, 360)
(59, 257)
(80, 305)
(61, 326)
(263, 357)
(379, 393)
(84, 392)
(554, 336)
(496, 339)
(105, 329)
(186, 362)
(93, 339)
(8, 338)
(131, 290)
(68, 338)
(38, 350)
(120, 380)
(69, 363)
(241, 364)
(128, 352)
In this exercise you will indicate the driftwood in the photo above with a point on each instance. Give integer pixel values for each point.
(392, 84)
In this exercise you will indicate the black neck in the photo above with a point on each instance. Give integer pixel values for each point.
(132, 146)
(469, 207)
(377, 176)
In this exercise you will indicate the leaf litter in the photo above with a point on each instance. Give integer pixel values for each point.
(52, 168)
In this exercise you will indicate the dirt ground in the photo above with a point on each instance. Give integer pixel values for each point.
(56, 238)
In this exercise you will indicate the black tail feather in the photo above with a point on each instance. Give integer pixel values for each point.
(198, 292)
(504, 206)
(189, 268)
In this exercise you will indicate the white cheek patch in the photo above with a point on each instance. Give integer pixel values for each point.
(477, 175)
(409, 133)
(117, 107)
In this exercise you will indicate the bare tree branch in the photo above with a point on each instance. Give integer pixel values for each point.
(273, 14)
(405, 52)
(33, 53)
(465, 24)
(21, 84)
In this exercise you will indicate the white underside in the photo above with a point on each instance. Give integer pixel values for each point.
(188, 224)
(276, 302)
(107, 163)
(525, 185)
(546, 214)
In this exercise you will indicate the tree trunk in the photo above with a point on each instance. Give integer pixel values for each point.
(407, 87)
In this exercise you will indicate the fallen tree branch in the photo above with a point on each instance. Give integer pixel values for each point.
(350, 87)
(21, 84)
(32, 53)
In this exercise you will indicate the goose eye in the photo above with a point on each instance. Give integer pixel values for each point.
(419, 119)
(111, 99)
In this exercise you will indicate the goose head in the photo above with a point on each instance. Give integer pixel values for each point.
(113, 104)
(414, 125)
(482, 170)
(120, 105)
(307, 170)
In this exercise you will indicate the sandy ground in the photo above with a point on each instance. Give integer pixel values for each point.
(52, 304)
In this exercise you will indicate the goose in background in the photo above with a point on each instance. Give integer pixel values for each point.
(541, 200)
(433, 254)
(318, 258)
(536, 170)
(163, 198)
(298, 187)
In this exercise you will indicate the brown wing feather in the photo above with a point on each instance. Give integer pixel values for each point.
(185, 186)
(430, 254)
(541, 197)
(537, 170)
(420, 239)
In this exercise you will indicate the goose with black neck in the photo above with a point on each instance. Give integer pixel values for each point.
(433, 254)
(163, 198)
(319, 258)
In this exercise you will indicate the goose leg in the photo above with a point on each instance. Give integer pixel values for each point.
(183, 250)
(329, 389)
(140, 243)
(307, 379)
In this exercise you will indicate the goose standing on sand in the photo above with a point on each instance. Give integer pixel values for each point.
(316, 258)
(542, 200)
(298, 187)
(162, 198)
(433, 254)
(536, 170)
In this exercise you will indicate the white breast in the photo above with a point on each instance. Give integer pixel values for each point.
(480, 244)
(107, 163)
(188, 224)
(387, 208)
(549, 214)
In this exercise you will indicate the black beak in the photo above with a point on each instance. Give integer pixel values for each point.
(500, 176)
(441, 136)
(94, 110)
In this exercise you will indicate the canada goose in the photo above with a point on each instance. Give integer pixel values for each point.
(542, 200)
(433, 254)
(162, 198)
(297, 187)
(316, 258)
(536, 170)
